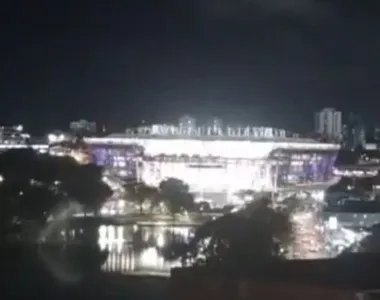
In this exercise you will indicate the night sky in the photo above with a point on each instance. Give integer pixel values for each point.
(259, 62)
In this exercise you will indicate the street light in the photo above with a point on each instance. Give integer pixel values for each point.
(55, 138)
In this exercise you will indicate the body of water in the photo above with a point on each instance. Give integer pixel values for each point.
(133, 249)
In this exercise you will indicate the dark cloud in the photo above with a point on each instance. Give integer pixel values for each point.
(254, 8)
(294, 6)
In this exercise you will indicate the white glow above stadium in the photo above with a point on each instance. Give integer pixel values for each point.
(241, 149)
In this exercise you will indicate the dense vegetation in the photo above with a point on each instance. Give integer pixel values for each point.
(172, 196)
(33, 185)
(257, 233)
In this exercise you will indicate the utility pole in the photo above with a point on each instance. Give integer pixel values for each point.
(274, 181)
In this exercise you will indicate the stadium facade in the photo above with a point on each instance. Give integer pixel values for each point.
(215, 165)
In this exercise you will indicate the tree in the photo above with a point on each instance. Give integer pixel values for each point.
(177, 196)
(32, 184)
(246, 195)
(87, 186)
(139, 192)
(259, 232)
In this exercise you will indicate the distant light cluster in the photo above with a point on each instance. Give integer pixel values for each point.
(315, 238)
(309, 240)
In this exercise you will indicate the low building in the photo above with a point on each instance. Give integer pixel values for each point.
(83, 127)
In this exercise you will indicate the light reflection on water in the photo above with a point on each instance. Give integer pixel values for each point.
(137, 249)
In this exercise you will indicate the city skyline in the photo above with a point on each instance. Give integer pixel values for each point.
(205, 122)
(152, 139)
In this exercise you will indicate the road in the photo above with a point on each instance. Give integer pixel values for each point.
(154, 220)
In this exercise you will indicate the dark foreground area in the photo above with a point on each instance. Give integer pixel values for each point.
(29, 272)
(61, 272)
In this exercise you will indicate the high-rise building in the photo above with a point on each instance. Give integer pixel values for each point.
(354, 134)
(376, 134)
(328, 123)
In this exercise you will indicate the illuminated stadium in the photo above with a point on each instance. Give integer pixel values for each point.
(215, 165)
